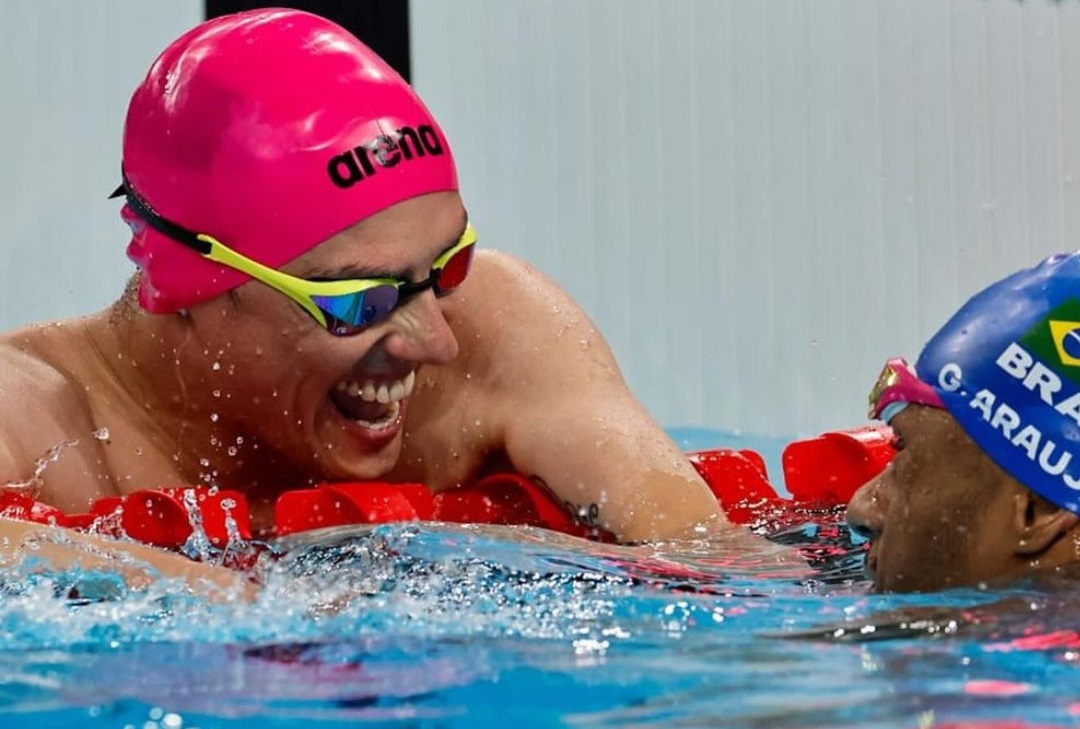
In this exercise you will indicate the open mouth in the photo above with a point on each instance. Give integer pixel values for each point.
(372, 404)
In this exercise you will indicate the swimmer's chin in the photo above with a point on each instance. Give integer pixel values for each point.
(352, 449)
(338, 464)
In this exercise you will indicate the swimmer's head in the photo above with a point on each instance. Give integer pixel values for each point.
(1007, 367)
(985, 484)
(270, 130)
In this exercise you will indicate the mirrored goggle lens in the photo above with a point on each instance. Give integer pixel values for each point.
(350, 313)
(898, 383)
(455, 270)
(886, 381)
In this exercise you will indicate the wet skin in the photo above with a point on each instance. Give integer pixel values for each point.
(246, 391)
(943, 514)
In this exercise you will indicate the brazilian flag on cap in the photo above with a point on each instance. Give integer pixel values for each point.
(1055, 339)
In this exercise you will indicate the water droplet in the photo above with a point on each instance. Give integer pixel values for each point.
(51, 456)
(216, 366)
(101, 433)
(214, 417)
(216, 393)
(232, 451)
(204, 462)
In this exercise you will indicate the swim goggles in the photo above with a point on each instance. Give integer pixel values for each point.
(898, 386)
(343, 307)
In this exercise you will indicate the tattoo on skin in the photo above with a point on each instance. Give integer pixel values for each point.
(588, 514)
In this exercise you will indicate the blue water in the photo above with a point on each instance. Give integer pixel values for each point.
(434, 626)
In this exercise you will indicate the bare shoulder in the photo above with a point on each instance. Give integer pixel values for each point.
(40, 406)
(27, 376)
(521, 318)
(524, 346)
(521, 289)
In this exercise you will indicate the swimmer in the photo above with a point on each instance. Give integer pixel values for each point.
(985, 488)
(313, 303)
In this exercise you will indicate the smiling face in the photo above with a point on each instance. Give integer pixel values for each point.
(942, 514)
(333, 406)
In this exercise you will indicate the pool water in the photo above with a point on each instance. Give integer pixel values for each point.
(439, 626)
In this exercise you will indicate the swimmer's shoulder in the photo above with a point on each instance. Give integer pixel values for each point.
(512, 310)
(40, 396)
(504, 291)
(493, 312)
(507, 272)
(32, 365)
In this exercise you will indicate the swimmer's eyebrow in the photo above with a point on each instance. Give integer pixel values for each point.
(344, 273)
(356, 270)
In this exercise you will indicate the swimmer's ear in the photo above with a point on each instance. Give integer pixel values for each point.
(1039, 523)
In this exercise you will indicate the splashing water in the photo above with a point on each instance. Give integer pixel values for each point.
(33, 483)
(436, 625)
(429, 625)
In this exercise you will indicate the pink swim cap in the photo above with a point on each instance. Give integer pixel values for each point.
(271, 130)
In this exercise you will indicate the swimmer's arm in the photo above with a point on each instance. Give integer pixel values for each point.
(614, 467)
(53, 548)
(569, 419)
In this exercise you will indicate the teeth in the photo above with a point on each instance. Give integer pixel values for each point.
(383, 392)
(385, 421)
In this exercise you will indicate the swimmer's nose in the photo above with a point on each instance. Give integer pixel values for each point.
(421, 332)
(866, 510)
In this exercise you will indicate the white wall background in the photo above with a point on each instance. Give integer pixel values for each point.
(756, 200)
(67, 70)
(759, 201)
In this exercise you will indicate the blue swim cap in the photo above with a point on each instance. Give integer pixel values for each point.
(1007, 366)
